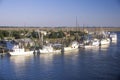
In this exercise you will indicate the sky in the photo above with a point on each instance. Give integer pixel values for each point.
(57, 13)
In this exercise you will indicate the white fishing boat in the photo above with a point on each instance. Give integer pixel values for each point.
(74, 45)
(16, 50)
(105, 41)
(49, 49)
(113, 36)
(95, 42)
(91, 44)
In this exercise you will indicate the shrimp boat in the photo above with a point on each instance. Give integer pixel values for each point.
(105, 41)
(90, 44)
(73, 46)
(16, 50)
(113, 36)
(49, 49)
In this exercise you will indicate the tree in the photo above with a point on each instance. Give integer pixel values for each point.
(58, 34)
(16, 34)
(34, 34)
(5, 33)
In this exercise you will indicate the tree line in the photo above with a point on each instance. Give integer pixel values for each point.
(17, 34)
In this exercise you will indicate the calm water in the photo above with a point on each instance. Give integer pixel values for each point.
(93, 64)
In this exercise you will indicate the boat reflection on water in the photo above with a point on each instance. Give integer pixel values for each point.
(19, 62)
(47, 58)
(114, 42)
(19, 59)
(104, 47)
(72, 54)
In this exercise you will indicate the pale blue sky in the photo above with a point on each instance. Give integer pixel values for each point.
(59, 12)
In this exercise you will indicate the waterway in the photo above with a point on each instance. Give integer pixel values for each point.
(85, 64)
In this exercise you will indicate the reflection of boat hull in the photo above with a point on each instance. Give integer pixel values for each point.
(104, 47)
(114, 39)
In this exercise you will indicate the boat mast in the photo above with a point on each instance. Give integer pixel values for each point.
(76, 23)
(76, 34)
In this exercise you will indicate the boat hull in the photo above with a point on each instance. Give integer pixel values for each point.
(105, 41)
(48, 51)
(113, 36)
(21, 53)
(66, 49)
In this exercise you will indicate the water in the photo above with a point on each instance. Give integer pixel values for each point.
(93, 64)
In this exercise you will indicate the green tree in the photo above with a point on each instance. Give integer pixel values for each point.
(5, 33)
(34, 34)
(58, 34)
(16, 34)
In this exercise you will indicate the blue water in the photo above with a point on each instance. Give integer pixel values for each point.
(92, 64)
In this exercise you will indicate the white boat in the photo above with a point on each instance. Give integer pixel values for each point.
(19, 51)
(105, 41)
(91, 44)
(49, 49)
(113, 36)
(74, 45)
(95, 42)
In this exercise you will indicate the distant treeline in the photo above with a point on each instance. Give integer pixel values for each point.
(60, 28)
(54, 27)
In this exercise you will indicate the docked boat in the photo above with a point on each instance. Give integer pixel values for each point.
(73, 46)
(113, 36)
(16, 50)
(105, 41)
(90, 44)
(49, 49)
(95, 42)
